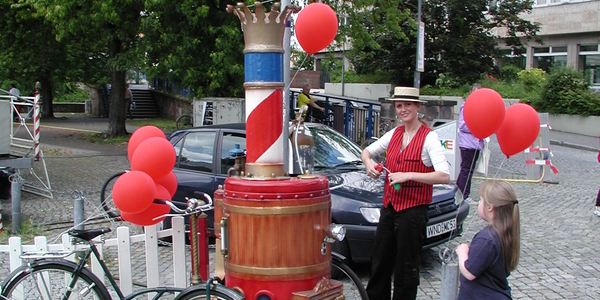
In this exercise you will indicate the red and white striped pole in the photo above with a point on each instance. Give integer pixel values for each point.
(36, 126)
(263, 76)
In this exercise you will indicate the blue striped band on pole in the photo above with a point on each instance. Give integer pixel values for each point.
(263, 67)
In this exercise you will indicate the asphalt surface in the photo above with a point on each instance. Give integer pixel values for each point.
(559, 233)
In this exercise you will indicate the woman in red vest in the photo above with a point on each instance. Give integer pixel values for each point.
(416, 161)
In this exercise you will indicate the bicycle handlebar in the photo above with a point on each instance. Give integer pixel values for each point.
(193, 206)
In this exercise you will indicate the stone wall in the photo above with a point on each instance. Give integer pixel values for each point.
(300, 78)
(65, 107)
(171, 106)
(576, 124)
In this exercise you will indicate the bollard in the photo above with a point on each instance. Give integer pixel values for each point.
(78, 216)
(1, 229)
(449, 290)
(15, 194)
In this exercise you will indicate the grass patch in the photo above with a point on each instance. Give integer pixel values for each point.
(75, 95)
(102, 138)
(166, 125)
(27, 233)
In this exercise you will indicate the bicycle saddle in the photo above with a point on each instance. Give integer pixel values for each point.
(88, 234)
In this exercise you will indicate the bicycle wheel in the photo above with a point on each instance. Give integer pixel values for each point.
(184, 121)
(220, 292)
(106, 198)
(353, 286)
(49, 279)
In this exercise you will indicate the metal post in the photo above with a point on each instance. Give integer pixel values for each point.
(78, 215)
(343, 64)
(449, 289)
(417, 82)
(195, 278)
(15, 180)
(287, 35)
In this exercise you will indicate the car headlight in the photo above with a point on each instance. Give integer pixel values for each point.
(371, 214)
(458, 197)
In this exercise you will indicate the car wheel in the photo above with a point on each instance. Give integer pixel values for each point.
(343, 249)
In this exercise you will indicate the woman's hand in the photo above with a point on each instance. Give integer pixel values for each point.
(372, 171)
(399, 177)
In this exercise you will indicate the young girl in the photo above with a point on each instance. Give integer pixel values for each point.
(494, 251)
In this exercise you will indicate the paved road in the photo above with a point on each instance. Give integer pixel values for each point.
(559, 234)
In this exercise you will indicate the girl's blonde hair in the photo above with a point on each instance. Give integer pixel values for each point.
(501, 195)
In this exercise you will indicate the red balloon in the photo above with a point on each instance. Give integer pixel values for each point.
(519, 130)
(483, 112)
(154, 156)
(140, 135)
(169, 182)
(316, 27)
(133, 192)
(146, 217)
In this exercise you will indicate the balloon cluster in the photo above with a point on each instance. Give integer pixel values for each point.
(316, 27)
(516, 127)
(152, 159)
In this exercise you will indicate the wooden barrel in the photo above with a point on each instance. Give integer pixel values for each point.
(275, 230)
(218, 212)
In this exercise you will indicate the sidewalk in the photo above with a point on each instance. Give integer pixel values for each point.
(83, 123)
(572, 140)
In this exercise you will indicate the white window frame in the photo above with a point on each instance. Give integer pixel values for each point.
(551, 53)
(558, 2)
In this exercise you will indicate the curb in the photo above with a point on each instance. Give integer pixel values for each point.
(576, 146)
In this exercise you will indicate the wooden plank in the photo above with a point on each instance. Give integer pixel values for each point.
(124, 257)
(152, 274)
(179, 267)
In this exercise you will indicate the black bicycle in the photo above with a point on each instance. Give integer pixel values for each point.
(51, 276)
(106, 197)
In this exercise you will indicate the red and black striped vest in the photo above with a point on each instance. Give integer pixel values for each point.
(411, 193)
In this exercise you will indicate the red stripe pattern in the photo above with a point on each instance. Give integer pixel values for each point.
(411, 193)
(264, 125)
(36, 126)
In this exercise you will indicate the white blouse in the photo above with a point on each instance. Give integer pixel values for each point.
(432, 155)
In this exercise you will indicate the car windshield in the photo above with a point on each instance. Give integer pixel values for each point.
(333, 150)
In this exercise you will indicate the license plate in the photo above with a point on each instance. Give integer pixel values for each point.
(441, 228)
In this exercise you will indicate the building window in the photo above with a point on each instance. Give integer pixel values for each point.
(547, 58)
(509, 57)
(589, 62)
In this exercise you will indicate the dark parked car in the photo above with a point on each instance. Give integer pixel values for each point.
(204, 156)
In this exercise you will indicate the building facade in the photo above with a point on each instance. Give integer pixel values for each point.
(570, 30)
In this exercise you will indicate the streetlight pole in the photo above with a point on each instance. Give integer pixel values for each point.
(417, 82)
(287, 34)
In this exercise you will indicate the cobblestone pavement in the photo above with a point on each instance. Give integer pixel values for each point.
(559, 234)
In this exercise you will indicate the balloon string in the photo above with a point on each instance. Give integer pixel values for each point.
(471, 220)
(468, 225)
(458, 210)
(292, 80)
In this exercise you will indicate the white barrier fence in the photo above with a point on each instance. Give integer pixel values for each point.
(123, 243)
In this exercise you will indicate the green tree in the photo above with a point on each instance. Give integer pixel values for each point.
(116, 24)
(196, 44)
(29, 52)
(459, 40)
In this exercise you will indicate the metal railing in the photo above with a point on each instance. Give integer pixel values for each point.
(358, 119)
